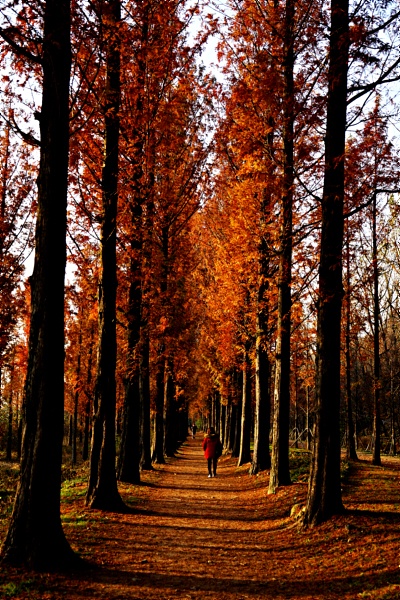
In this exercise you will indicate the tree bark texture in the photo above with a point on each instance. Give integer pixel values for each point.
(279, 474)
(262, 416)
(102, 490)
(35, 537)
(130, 451)
(324, 491)
(376, 430)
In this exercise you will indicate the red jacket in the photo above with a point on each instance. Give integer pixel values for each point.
(211, 444)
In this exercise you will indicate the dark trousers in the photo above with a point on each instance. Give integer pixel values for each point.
(212, 462)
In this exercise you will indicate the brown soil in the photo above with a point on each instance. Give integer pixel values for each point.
(224, 538)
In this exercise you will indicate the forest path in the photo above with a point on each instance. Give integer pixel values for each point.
(199, 537)
(224, 538)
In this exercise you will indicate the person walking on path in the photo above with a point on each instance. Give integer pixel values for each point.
(194, 430)
(212, 451)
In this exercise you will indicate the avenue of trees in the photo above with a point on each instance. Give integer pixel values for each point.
(210, 244)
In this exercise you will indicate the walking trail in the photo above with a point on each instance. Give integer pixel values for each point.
(224, 538)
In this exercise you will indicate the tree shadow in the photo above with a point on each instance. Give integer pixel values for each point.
(143, 583)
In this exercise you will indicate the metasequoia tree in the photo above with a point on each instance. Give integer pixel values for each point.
(102, 489)
(35, 536)
(129, 456)
(324, 492)
(279, 473)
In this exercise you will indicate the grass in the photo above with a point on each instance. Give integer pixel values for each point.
(299, 464)
(15, 589)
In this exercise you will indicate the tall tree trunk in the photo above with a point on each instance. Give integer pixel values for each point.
(296, 408)
(87, 427)
(130, 449)
(35, 536)
(102, 491)
(324, 490)
(245, 430)
(170, 442)
(351, 443)
(228, 421)
(158, 437)
(393, 444)
(159, 430)
(10, 427)
(308, 429)
(376, 432)
(128, 469)
(222, 421)
(76, 402)
(238, 429)
(144, 389)
(144, 351)
(232, 429)
(262, 414)
(279, 474)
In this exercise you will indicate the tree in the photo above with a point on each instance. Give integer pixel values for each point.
(324, 491)
(279, 473)
(35, 536)
(102, 489)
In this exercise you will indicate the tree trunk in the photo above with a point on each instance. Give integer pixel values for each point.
(308, 429)
(129, 456)
(244, 452)
(128, 468)
(102, 491)
(130, 450)
(324, 491)
(279, 474)
(170, 442)
(376, 432)
(237, 430)
(76, 402)
(35, 537)
(144, 353)
(144, 390)
(10, 427)
(87, 427)
(158, 438)
(262, 414)
(351, 444)
(222, 421)
(161, 374)
(228, 422)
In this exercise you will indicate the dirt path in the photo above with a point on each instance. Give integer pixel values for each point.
(225, 539)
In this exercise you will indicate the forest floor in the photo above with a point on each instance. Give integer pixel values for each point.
(191, 537)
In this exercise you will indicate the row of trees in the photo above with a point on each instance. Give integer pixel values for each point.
(202, 269)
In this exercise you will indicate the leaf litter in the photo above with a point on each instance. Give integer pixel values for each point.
(191, 537)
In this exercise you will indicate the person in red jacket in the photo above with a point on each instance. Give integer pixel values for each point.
(212, 451)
